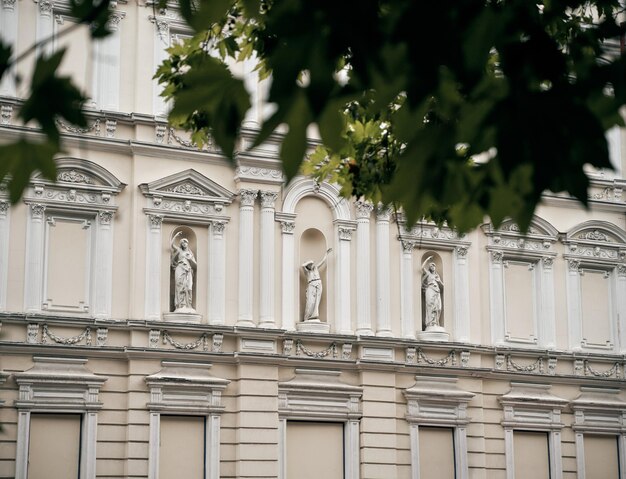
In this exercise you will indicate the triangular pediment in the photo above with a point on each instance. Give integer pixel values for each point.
(188, 184)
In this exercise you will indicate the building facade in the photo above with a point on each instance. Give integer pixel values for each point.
(409, 352)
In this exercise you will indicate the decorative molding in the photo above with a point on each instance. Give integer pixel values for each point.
(247, 197)
(302, 349)
(69, 341)
(437, 401)
(448, 360)
(287, 347)
(95, 127)
(187, 195)
(203, 341)
(155, 221)
(363, 209)
(259, 175)
(319, 395)
(6, 114)
(53, 385)
(268, 199)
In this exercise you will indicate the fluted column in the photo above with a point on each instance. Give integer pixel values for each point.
(383, 275)
(266, 288)
(363, 267)
(217, 274)
(289, 278)
(152, 305)
(106, 78)
(246, 256)
(35, 233)
(8, 33)
(407, 315)
(343, 318)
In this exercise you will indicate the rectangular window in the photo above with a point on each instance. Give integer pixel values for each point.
(519, 287)
(182, 447)
(531, 454)
(315, 450)
(54, 447)
(67, 284)
(596, 307)
(601, 456)
(436, 452)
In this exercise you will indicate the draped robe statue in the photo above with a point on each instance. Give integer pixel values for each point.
(313, 288)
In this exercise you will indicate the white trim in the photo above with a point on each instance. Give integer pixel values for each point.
(182, 388)
(363, 268)
(531, 407)
(596, 245)
(536, 248)
(407, 314)
(266, 261)
(154, 253)
(58, 385)
(9, 20)
(5, 224)
(599, 411)
(438, 402)
(383, 273)
(245, 316)
(319, 395)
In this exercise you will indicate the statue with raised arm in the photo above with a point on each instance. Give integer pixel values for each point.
(183, 263)
(432, 286)
(313, 288)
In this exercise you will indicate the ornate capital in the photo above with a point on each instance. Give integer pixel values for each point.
(621, 270)
(345, 234)
(383, 212)
(268, 199)
(37, 210)
(105, 217)
(497, 256)
(573, 265)
(114, 20)
(4, 207)
(247, 197)
(218, 227)
(461, 251)
(363, 209)
(6, 112)
(155, 221)
(408, 245)
(287, 227)
(45, 7)
(8, 4)
(163, 28)
(547, 261)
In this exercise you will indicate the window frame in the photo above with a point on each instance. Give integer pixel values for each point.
(56, 385)
(435, 401)
(531, 407)
(186, 389)
(318, 395)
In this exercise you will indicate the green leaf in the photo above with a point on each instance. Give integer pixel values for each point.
(95, 14)
(331, 125)
(5, 56)
(211, 90)
(52, 97)
(295, 142)
(19, 160)
(202, 14)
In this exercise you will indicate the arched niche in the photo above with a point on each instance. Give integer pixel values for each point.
(312, 247)
(188, 234)
(301, 187)
(428, 258)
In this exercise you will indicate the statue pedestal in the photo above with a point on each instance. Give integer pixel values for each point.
(313, 326)
(183, 317)
(433, 333)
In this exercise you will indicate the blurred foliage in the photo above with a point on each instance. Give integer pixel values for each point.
(455, 110)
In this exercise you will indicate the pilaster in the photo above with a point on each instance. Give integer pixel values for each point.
(363, 268)
(343, 317)
(4, 252)
(217, 273)
(34, 269)
(289, 279)
(152, 308)
(267, 263)
(383, 275)
(246, 256)
(407, 315)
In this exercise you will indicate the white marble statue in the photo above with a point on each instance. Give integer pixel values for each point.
(432, 286)
(313, 288)
(183, 263)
